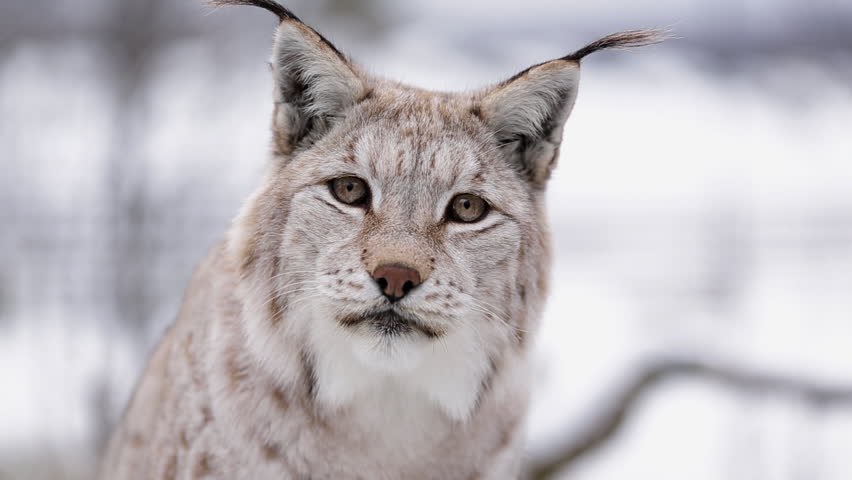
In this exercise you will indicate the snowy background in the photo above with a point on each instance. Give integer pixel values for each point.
(702, 209)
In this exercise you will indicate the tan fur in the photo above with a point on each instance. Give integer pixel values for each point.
(267, 373)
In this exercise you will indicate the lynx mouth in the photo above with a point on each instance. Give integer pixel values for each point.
(391, 323)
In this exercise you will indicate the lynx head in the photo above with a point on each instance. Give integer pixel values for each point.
(399, 231)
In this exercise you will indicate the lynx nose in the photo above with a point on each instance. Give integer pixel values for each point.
(396, 280)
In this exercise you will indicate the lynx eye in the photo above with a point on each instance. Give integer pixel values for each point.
(349, 190)
(467, 208)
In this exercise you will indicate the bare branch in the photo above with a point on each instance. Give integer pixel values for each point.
(627, 400)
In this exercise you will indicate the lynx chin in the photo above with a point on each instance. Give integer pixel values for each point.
(370, 313)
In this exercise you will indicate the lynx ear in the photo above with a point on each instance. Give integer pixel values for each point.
(528, 111)
(314, 82)
(314, 85)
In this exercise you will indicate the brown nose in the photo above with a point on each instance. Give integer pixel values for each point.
(396, 280)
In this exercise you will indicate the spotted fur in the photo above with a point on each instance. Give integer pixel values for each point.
(284, 362)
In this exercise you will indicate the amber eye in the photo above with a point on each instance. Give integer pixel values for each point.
(467, 208)
(349, 190)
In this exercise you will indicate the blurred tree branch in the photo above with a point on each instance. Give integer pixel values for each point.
(627, 401)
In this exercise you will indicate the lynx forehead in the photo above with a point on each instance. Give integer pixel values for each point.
(369, 313)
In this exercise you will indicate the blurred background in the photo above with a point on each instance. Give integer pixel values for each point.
(701, 315)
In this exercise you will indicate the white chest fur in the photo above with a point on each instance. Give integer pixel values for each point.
(430, 378)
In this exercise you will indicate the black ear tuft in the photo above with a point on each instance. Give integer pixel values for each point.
(621, 40)
(279, 10)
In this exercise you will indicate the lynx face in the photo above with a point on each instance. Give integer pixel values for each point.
(407, 227)
(400, 234)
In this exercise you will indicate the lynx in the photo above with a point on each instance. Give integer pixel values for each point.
(370, 313)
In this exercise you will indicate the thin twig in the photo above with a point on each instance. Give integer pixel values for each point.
(627, 400)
